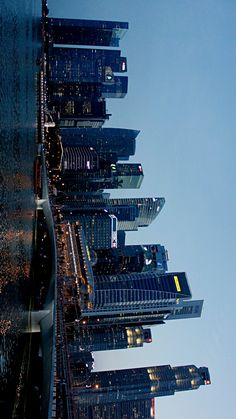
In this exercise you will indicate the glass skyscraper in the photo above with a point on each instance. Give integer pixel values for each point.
(106, 141)
(139, 383)
(129, 409)
(80, 112)
(131, 213)
(135, 290)
(141, 316)
(85, 65)
(86, 32)
(108, 176)
(109, 338)
(131, 258)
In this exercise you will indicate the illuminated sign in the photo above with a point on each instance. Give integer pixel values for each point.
(153, 409)
(114, 223)
(88, 252)
(177, 284)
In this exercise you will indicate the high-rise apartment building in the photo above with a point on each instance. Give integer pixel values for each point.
(86, 32)
(131, 258)
(140, 383)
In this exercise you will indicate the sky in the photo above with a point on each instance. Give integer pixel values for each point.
(181, 58)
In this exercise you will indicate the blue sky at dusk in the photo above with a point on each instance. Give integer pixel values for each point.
(181, 58)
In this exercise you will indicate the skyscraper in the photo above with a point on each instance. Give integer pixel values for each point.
(140, 383)
(131, 213)
(86, 32)
(100, 230)
(132, 258)
(134, 290)
(129, 409)
(109, 338)
(85, 65)
(80, 112)
(106, 141)
(107, 176)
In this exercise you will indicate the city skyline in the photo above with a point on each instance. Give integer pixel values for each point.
(195, 88)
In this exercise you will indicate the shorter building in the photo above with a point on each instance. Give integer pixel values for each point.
(108, 176)
(109, 338)
(131, 258)
(86, 32)
(132, 409)
(100, 230)
(79, 112)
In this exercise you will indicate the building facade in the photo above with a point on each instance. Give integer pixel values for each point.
(129, 409)
(131, 258)
(85, 65)
(140, 383)
(106, 141)
(86, 32)
(134, 290)
(109, 338)
(131, 213)
(100, 230)
(108, 176)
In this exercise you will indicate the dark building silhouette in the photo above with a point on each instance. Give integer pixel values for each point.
(86, 32)
(135, 290)
(85, 65)
(131, 258)
(108, 176)
(141, 316)
(100, 230)
(79, 112)
(109, 338)
(115, 142)
(131, 213)
(140, 383)
(130, 409)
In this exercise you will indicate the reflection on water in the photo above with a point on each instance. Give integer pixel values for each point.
(20, 47)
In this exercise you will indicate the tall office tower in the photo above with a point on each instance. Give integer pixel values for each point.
(139, 383)
(109, 338)
(132, 258)
(81, 158)
(94, 68)
(131, 213)
(85, 65)
(141, 316)
(117, 87)
(73, 91)
(106, 141)
(86, 32)
(100, 230)
(108, 176)
(80, 112)
(135, 290)
(130, 409)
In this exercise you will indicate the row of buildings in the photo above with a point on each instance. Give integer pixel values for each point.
(120, 290)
